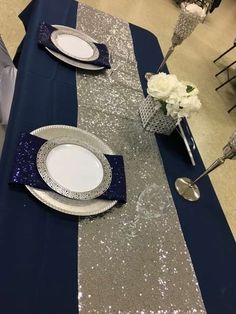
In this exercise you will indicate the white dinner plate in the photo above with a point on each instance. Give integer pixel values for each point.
(74, 169)
(70, 61)
(60, 202)
(75, 44)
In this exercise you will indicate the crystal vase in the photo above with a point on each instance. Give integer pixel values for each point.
(153, 118)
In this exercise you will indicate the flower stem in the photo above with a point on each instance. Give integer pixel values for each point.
(163, 106)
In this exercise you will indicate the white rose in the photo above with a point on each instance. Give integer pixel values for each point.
(192, 103)
(184, 107)
(172, 110)
(174, 100)
(178, 93)
(161, 85)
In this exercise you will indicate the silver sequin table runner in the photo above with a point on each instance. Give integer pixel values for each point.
(133, 258)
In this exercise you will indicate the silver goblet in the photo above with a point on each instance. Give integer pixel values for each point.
(188, 188)
(185, 25)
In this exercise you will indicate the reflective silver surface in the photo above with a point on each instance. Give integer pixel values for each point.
(187, 189)
(132, 259)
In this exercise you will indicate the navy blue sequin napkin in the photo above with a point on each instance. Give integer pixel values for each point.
(25, 169)
(44, 39)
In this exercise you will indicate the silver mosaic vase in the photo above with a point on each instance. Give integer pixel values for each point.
(153, 118)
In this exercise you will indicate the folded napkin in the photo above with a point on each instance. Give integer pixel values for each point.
(44, 39)
(25, 169)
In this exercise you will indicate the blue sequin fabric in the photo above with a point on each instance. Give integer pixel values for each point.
(44, 39)
(25, 168)
(117, 188)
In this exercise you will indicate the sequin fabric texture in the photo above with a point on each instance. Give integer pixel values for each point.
(133, 258)
(25, 169)
(25, 166)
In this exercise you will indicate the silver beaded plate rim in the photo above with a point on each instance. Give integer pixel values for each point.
(74, 32)
(42, 155)
(59, 202)
(68, 60)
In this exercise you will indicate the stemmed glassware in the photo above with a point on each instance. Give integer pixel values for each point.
(188, 188)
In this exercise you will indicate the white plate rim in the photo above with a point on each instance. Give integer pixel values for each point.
(47, 197)
(43, 170)
(75, 63)
(78, 34)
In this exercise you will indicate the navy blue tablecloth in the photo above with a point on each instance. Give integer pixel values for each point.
(38, 246)
(38, 262)
(206, 231)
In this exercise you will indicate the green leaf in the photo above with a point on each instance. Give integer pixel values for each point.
(163, 106)
(189, 88)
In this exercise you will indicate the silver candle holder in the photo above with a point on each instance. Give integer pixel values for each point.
(188, 189)
(185, 25)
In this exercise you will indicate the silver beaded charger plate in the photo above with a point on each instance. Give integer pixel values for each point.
(75, 44)
(60, 202)
(70, 61)
(73, 168)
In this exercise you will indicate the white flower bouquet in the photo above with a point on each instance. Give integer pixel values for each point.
(176, 99)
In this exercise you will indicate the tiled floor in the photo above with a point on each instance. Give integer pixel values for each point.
(191, 62)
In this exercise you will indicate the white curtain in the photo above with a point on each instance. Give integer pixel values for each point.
(8, 74)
